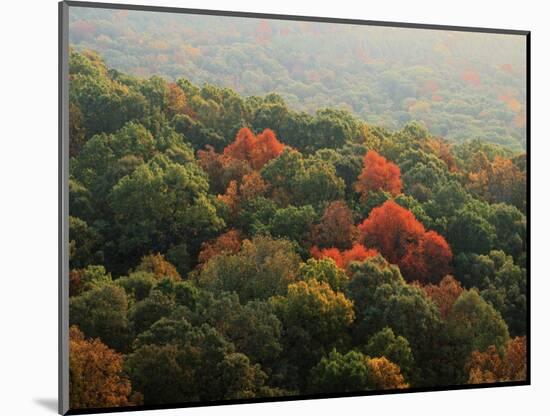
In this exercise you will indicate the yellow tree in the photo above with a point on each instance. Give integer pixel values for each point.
(159, 266)
(383, 374)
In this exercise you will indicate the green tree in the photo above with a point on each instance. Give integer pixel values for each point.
(262, 268)
(102, 313)
(303, 181)
(324, 270)
(340, 373)
(347, 160)
(253, 328)
(315, 319)
(333, 128)
(149, 310)
(175, 362)
(501, 282)
(256, 216)
(318, 183)
(133, 139)
(106, 103)
(197, 134)
(162, 205)
(91, 277)
(292, 222)
(473, 325)
(510, 229)
(469, 232)
(84, 244)
(77, 133)
(137, 285)
(354, 372)
(382, 299)
(395, 348)
(295, 130)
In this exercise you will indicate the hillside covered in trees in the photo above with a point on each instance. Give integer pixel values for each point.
(227, 247)
(461, 85)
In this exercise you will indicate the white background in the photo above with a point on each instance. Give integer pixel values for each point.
(28, 205)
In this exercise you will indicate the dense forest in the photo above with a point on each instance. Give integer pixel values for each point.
(226, 247)
(461, 85)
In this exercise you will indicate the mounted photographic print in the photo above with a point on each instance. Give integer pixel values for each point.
(265, 207)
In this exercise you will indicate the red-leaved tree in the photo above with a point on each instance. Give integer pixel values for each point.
(428, 259)
(226, 243)
(393, 230)
(256, 150)
(495, 365)
(444, 294)
(343, 258)
(242, 146)
(378, 174)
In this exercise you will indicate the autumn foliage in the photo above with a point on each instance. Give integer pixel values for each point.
(336, 228)
(227, 243)
(427, 259)
(493, 366)
(444, 151)
(231, 197)
(176, 100)
(393, 230)
(256, 150)
(96, 374)
(444, 294)
(159, 267)
(378, 174)
(221, 168)
(75, 282)
(343, 258)
(251, 186)
(499, 180)
(471, 77)
(383, 374)
(210, 261)
(263, 32)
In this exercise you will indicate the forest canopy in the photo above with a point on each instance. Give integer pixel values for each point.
(227, 246)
